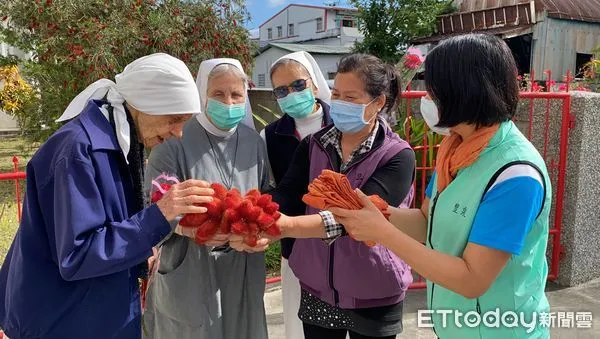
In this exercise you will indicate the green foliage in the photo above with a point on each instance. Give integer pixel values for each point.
(273, 258)
(418, 135)
(415, 131)
(591, 72)
(390, 25)
(75, 43)
(448, 7)
(14, 92)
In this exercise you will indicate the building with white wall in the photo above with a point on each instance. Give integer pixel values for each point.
(6, 50)
(327, 57)
(7, 123)
(315, 25)
(326, 32)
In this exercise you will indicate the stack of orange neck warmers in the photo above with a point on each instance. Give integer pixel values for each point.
(456, 153)
(332, 189)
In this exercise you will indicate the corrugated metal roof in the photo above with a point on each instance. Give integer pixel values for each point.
(582, 10)
(313, 49)
(509, 17)
(479, 5)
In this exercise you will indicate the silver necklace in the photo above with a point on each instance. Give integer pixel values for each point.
(227, 182)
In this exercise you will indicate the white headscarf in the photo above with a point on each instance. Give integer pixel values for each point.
(157, 84)
(314, 71)
(202, 83)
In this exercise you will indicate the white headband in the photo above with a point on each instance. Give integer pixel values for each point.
(157, 84)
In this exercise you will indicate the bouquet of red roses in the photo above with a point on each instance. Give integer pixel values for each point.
(410, 64)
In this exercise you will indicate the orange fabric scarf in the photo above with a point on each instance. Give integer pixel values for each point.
(456, 153)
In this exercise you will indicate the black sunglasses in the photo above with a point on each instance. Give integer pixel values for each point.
(296, 86)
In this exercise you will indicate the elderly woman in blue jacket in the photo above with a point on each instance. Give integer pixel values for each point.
(72, 270)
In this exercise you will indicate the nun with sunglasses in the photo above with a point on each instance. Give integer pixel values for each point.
(303, 95)
(211, 291)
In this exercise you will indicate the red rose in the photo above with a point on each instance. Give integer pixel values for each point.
(412, 61)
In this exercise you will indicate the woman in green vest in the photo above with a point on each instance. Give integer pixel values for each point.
(484, 222)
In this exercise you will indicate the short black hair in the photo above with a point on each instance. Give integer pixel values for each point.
(379, 77)
(472, 79)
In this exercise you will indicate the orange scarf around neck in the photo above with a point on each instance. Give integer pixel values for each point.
(456, 153)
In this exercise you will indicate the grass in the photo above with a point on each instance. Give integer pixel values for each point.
(15, 146)
(273, 259)
(8, 227)
(10, 147)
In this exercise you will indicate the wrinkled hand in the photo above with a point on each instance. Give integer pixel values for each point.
(217, 240)
(366, 224)
(182, 198)
(152, 259)
(237, 243)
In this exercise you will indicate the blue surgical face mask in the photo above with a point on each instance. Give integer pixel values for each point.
(225, 116)
(349, 117)
(298, 105)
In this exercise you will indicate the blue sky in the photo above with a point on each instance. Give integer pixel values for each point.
(261, 10)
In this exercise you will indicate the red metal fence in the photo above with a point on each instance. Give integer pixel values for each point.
(15, 175)
(537, 118)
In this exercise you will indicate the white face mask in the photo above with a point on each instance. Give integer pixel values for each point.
(430, 113)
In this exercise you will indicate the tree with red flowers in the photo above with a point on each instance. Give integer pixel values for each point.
(74, 43)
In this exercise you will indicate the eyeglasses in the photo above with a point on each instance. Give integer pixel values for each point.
(296, 86)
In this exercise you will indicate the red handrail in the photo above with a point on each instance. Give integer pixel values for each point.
(13, 176)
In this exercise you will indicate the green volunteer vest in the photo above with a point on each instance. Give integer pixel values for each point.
(520, 286)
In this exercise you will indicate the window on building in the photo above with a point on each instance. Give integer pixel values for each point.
(331, 75)
(319, 24)
(291, 30)
(261, 80)
(279, 31)
(348, 23)
(580, 61)
(270, 33)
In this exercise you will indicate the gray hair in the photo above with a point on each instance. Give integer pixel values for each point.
(227, 69)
